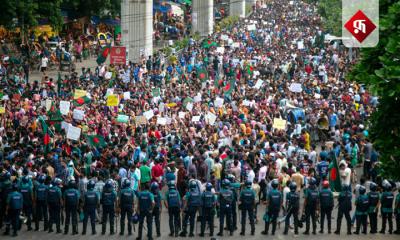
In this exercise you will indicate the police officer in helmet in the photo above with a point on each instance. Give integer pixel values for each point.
(373, 199)
(54, 201)
(5, 189)
(14, 206)
(225, 201)
(27, 193)
(192, 203)
(326, 202)
(311, 205)
(90, 202)
(173, 204)
(108, 200)
(247, 201)
(208, 202)
(41, 202)
(274, 201)
(144, 208)
(155, 190)
(71, 200)
(362, 205)
(292, 206)
(126, 197)
(344, 208)
(387, 199)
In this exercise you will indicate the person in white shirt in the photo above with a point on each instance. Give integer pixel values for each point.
(43, 64)
(345, 173)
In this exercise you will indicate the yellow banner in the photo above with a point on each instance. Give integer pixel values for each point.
(112, 100)
(2, 110)
(79, 93)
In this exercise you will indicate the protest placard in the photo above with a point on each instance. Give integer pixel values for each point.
(259, 83)
(112, 100)
(149, 114)
(127, 95)
(218, 102)
(73, 133)
(189, 106)
(279, 124)
(78, 114)
(210, 118)
(161, 121)
(182, 114)
(195, 118)
(122, 118)
(79, 93)
(295, 87)
(64, 107)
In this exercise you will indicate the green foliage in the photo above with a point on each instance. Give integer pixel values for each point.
(102, 8)
(379, 69)
(331, 13)
(48, 9)
(227, 22)
(8, 12)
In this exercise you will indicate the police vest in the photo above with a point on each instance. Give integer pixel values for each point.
(145, 201)
(127, 198)
(274, 200)
(208, 199)
(326, 199)
(373, 198)
(194, 199)
(41, 192)
(173, 198)
(226, 198)
(26, 194)
(312, 198)
(387, 202)
(16, 201)
(108, 198)
(53, 196)
(71, 197)
(248, 197)
(157, 200)
(363, 204)
(345, 201)
(294, 202)
(90, 199)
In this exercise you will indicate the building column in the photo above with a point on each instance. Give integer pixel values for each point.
(237, 8)
(203, 17)
(137, 28)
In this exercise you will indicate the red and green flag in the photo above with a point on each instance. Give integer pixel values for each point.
(229, 87)
(250, 70)
(208, 43)
(103, 54)
(202, 74)
(54, 117)
(82, 100)
(334, 177)
(96, 140)
(46, 135)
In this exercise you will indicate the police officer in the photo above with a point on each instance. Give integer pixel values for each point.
(41, 203)
(27, 193)
(373, 199)
(126, 197)
(293, 206)
(247, 201)
(234, 186)
(173, 204)
(5, 189)
(225, 201)
(362, 205)
(14, 205)
(344, 208)
(71, 200)
(397, 210)
(90, 202)
(144, 208)
(108, 199)
(311, 205)
(208, 202)
(326, 202)
(192, 203)
(54, 200)
(387, 198)
(155, 190)
(274, 201)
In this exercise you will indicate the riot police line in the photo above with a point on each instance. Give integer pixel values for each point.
(37, 200)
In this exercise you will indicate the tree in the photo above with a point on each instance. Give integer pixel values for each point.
(331, 12)
(51, 9)
(379, 70)
(8, 13)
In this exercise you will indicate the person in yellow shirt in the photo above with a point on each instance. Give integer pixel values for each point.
(217, 173)
(306, 137)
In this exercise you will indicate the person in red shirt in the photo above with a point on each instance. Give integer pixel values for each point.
(157, 172)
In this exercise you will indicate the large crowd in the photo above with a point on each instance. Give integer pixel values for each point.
(260, 113)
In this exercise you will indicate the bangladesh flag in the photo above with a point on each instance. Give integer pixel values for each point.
(208, 43)
(218, 83)
(96, 140)
(334, 178)
(103, 54)
(46, 135)
(82, 100)
(54, 117)
(202, 74)
(229, 87)
(250, 70)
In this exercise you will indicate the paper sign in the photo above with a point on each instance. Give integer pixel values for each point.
(218, 102)
(220, 50)
(65, 125)
(189, 106)
(73, 133)
(141, 120)
(79, 93)
(317, 96)
(161, 121)
(182, 114)
(149, 114)
(224, 37)
(156, 92)
(161, 107)
(127, 95)
(109, 91)
(279, 124)
(251, 27)
(122, 118)
(2, 110)
(197, 98)
(112, 100)
(246, 103)
(48, 104)
(210, 118)
(259, 83)
(300, 45)
(108, 75)
(64, 107)
(295, 87)
(195, 118)
(78, 114)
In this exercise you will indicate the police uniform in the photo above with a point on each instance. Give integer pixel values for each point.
(90, 201)
(15, 204)
(326, 203)
(397, 213)
(54, 202)
(173, 200)
(312, 201)
(387, 198)
(344, 209)
(274, 206)
(41, 206)
(71, 200)
(235, 186)
(146, 203)
(293, 206)
(247, 201)
(208, 202)
(27, 193)
(373, 199)
(126, 198)
(362, 205)
(108, 198)
(193, 203)
(5, 189)
(157, 211)
(225, 199)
